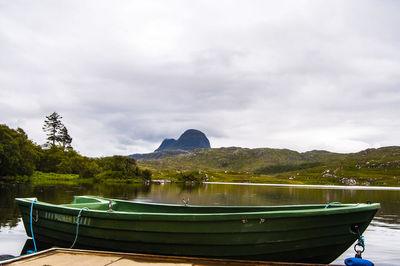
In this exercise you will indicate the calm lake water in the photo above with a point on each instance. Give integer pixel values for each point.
(382, 236)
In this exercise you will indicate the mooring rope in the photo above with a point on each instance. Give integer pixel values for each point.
(77, 225)
(359, 248)
(330, 204)
(33, 237)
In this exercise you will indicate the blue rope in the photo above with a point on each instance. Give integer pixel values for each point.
(33, 237)
(330, 204)
(361, 241)
(77, 225)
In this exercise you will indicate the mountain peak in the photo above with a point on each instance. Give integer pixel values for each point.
(190, 140)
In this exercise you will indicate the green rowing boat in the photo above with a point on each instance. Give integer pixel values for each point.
(296, 233)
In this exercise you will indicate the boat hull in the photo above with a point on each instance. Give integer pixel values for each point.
(318, 235)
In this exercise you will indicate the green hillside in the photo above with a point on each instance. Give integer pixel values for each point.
(369, 167)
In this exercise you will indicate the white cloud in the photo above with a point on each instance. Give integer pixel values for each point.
(289, 74)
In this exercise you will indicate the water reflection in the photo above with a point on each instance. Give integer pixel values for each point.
(57, 194)
(203, 194)
(380, 236)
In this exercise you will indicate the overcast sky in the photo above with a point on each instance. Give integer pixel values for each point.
(124, 75)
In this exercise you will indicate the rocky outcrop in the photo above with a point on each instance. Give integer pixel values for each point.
(190, 140)
(167, 144)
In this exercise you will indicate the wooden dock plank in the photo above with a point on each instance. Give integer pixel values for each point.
(67, 257)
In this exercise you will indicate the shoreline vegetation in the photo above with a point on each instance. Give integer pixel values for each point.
(287, 179)
(198, 177)
(42, 179)
(21, 160)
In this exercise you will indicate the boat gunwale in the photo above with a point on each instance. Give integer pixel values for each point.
(219, 216)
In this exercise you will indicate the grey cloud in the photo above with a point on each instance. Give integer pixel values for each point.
(289, 74)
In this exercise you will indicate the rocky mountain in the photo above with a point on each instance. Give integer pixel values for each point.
(190, 140)
(167, 144)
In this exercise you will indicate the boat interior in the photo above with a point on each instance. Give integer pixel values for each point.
(103, 204)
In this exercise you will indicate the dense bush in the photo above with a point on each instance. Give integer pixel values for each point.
(50, 159)
(89, 168)
(18, 155)
(190, 176)
(121, 167)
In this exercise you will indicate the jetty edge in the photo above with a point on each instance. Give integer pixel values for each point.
(63, 256)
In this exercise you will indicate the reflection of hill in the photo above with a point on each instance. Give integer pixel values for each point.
(213, 194)
(9, 212)
(390, 221)
(58, 194)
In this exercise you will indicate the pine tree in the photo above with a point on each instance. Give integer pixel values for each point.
(64, 138)
(52, 125)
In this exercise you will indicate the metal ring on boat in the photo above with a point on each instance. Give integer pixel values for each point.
(359, 245)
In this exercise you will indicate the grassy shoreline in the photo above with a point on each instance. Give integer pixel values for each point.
(293, 178)
(40, 178)
(198, 176)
